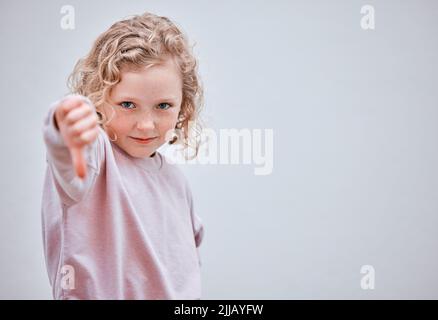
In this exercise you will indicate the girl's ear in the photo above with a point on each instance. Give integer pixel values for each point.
(104, 115)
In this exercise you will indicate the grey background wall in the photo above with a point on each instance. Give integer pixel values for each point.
(354, 114)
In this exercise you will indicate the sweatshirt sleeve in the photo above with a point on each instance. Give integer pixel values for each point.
(198, 226)
(70, 187)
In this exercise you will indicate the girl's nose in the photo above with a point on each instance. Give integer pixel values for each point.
(145, 123)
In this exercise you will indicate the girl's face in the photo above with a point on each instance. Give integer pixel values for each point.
(146, 104)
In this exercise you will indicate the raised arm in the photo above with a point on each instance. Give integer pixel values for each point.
(74, 145)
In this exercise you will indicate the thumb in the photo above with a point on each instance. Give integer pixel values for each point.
(78, 161)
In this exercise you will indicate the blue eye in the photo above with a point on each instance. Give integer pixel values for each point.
(164, 103)
(125, 104)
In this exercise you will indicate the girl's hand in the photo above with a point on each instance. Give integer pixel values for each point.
(77, 122)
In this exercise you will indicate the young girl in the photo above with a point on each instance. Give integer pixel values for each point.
(118, 219)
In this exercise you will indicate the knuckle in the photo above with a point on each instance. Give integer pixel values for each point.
(88, 138)
(91, 136)
(74, 130)
(64, 105)
(69, 119)
(85, 107)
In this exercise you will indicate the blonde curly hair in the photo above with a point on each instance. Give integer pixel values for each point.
(136, 42)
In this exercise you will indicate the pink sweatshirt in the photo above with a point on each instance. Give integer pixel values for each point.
(128, 231)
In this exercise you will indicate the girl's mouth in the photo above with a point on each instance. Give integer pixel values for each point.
(143, 141)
